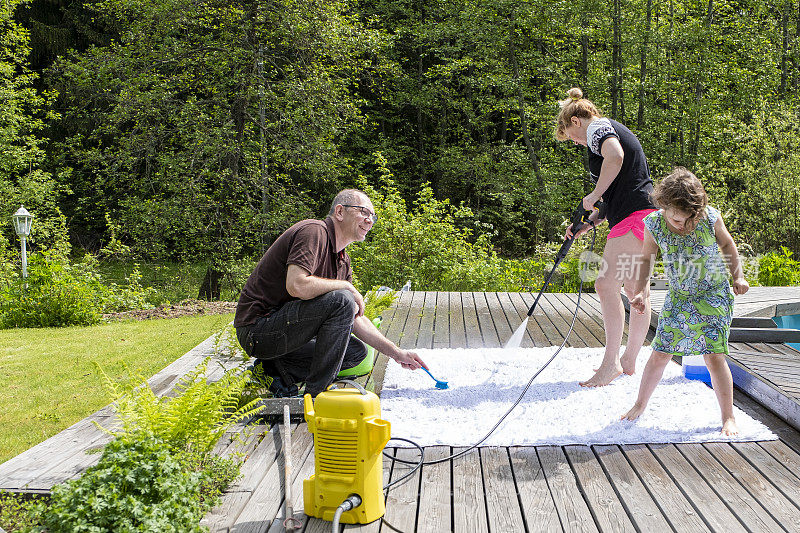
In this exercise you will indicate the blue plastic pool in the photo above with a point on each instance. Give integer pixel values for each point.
(788, 322)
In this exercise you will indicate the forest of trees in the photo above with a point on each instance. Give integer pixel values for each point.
(200, 129)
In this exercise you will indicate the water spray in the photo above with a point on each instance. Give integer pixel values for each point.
(580, 218)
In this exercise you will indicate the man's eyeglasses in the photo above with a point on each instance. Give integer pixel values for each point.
(366, 213)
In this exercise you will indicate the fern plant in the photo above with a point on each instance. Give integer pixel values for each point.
(193, 418)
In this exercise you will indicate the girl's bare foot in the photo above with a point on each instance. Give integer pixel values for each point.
(729, 427)
(602, 377)
(634, 412)
(628, 362)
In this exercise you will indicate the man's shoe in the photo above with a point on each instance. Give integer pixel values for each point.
(280, 390)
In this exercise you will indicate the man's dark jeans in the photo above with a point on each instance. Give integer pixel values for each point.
(309, 340)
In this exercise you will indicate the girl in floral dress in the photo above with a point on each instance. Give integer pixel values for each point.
(696, 317)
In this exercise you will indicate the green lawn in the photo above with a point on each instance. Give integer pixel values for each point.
(48, 380)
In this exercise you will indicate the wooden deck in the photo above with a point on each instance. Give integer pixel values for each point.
(686, 487)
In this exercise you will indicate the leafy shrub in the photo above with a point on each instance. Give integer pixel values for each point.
(375, 304)
(138, 485)
(18, 513)
(55, 293)
(431, 244)
(779, 269)
(58, 292)
(217, 475)
(193, 418)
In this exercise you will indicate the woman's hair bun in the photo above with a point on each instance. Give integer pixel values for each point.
(575, 93)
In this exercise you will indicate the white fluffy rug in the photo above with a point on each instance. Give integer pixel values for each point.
(555, 410)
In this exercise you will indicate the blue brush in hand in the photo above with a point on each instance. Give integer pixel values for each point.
(439, 384)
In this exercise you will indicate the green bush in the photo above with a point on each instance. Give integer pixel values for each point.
(779, 269)
(138, 485)
(375, 304)
(58, 292)
(430, 244)
(55, 293)
(17, 513)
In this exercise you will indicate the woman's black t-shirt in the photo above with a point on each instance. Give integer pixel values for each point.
(631, 188)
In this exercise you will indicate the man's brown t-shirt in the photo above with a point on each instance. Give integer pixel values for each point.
(310, 244)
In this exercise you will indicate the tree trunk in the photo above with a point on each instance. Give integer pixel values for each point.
(584, 66)
(523, 123)
(617, 105)
(785, 48)
(209, 288)
(643, 67)
(694, 142)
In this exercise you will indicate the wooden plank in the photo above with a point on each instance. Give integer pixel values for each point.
(469, 503)
(788, 435)
(375, 525)
(408, 340)
(560, 323)
(591, 317)
(713, 510)
(668, 497)
(747, 509)
(784, 454)
(585, 317)
(633, 494)
(540, 315)
(305, 470)
(458, 335)
(474, 338)
(517, 311)
(758, 487)
(236, 498)
(491, 338)
(434, 494)
(608, 512)
(772, 469)
(572, 508)
(583, 337)
(397, 323)
(503, 508)
(267, 496)
(536, 502)
(401, 501)
(441, 327)
(498, 315)
(752, 322)
(425, 334)
(778, 335)
(765, 392)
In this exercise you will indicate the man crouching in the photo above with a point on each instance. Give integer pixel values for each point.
(298, 308)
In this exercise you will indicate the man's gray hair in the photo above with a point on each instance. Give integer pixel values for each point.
(346, 197)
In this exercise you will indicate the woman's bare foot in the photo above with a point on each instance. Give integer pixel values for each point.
(634, 412)
(628, 362)
(602, 377)
(729, 427)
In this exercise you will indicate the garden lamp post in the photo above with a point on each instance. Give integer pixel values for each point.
(22, 225)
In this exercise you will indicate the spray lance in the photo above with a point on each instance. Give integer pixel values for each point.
(580, 217)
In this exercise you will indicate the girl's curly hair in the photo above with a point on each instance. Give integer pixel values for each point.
(681, 190)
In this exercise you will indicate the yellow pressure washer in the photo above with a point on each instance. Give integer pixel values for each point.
(349, 436)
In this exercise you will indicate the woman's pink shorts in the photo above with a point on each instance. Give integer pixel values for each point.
(633, 222)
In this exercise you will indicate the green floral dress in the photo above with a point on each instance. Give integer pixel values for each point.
(696, 317)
